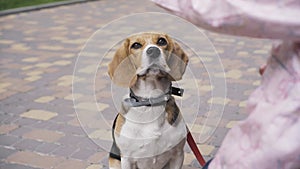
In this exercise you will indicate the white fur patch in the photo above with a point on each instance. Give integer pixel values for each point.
(147, 133)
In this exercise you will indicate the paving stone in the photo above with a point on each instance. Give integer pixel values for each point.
(94, 166)
(87, 143)
(5, 152)
(44, 99)
(233, 113)
(34, 159)
(7, 118)
(101, 134)
(89, 106)
(34, 73)
(65, 151)
(6, 128)
(43, 124)
(188, 158)
(206, 149)
(33, 78)
(62, 118)
(70, 130)
(83, 154)
(256, 83)
(27, 67)
(43, 135)
(20, 131)
(231, 124)
(20, 47)
(15, 166)
(30, 59)
(47, 148)
(104, 162)
(71, 163)
(195, 164)
(61, 109)
(70, 140)
(62, 62)
(18, 109)
(97, 157)
(74, 122)
(7, 42)
(71, 96)
(218, 100)
(27, 144)
(43, 65)
(56, 126)
(8, 140)
(243, 104)
(189, 167)
(217, 139)
(51, 48)
(5, 85)
(7, 94)
(39, 114)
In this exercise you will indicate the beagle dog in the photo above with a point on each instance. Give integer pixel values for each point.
(149, 131)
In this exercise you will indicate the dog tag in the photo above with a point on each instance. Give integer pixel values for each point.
(177, 91)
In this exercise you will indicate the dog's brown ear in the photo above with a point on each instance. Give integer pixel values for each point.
(120, 69)
(177, 62)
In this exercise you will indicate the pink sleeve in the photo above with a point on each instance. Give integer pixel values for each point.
(270, 136)
(264, 19)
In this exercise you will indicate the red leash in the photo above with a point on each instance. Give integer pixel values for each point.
(195, 149)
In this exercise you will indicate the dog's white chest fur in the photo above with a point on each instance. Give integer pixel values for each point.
(147, 134)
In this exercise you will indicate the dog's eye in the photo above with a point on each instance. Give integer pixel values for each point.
(136, 45)
(162, 42)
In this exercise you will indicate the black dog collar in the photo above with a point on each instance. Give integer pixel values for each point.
(136, 101)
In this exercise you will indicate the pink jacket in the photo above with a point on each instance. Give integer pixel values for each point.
(270, 137)
(275, 19)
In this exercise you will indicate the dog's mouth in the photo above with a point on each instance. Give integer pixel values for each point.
(153, 70)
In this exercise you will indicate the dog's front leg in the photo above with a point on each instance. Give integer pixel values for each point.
(126, 163)
(177, 161)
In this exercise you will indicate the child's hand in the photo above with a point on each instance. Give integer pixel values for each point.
(262, 69)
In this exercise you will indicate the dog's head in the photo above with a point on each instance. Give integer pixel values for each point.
(147, 54)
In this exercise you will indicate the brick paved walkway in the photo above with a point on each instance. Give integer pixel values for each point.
(38, 124)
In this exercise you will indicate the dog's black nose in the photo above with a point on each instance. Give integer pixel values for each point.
(153, 52)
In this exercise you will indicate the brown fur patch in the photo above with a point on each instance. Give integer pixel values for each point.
(172, 110)
(119, 123)
(177, 62)
(119, 56)
(114, 163)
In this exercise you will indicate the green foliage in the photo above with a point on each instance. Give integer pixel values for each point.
(9, 4)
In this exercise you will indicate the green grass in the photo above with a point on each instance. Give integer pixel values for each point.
(10, 4)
